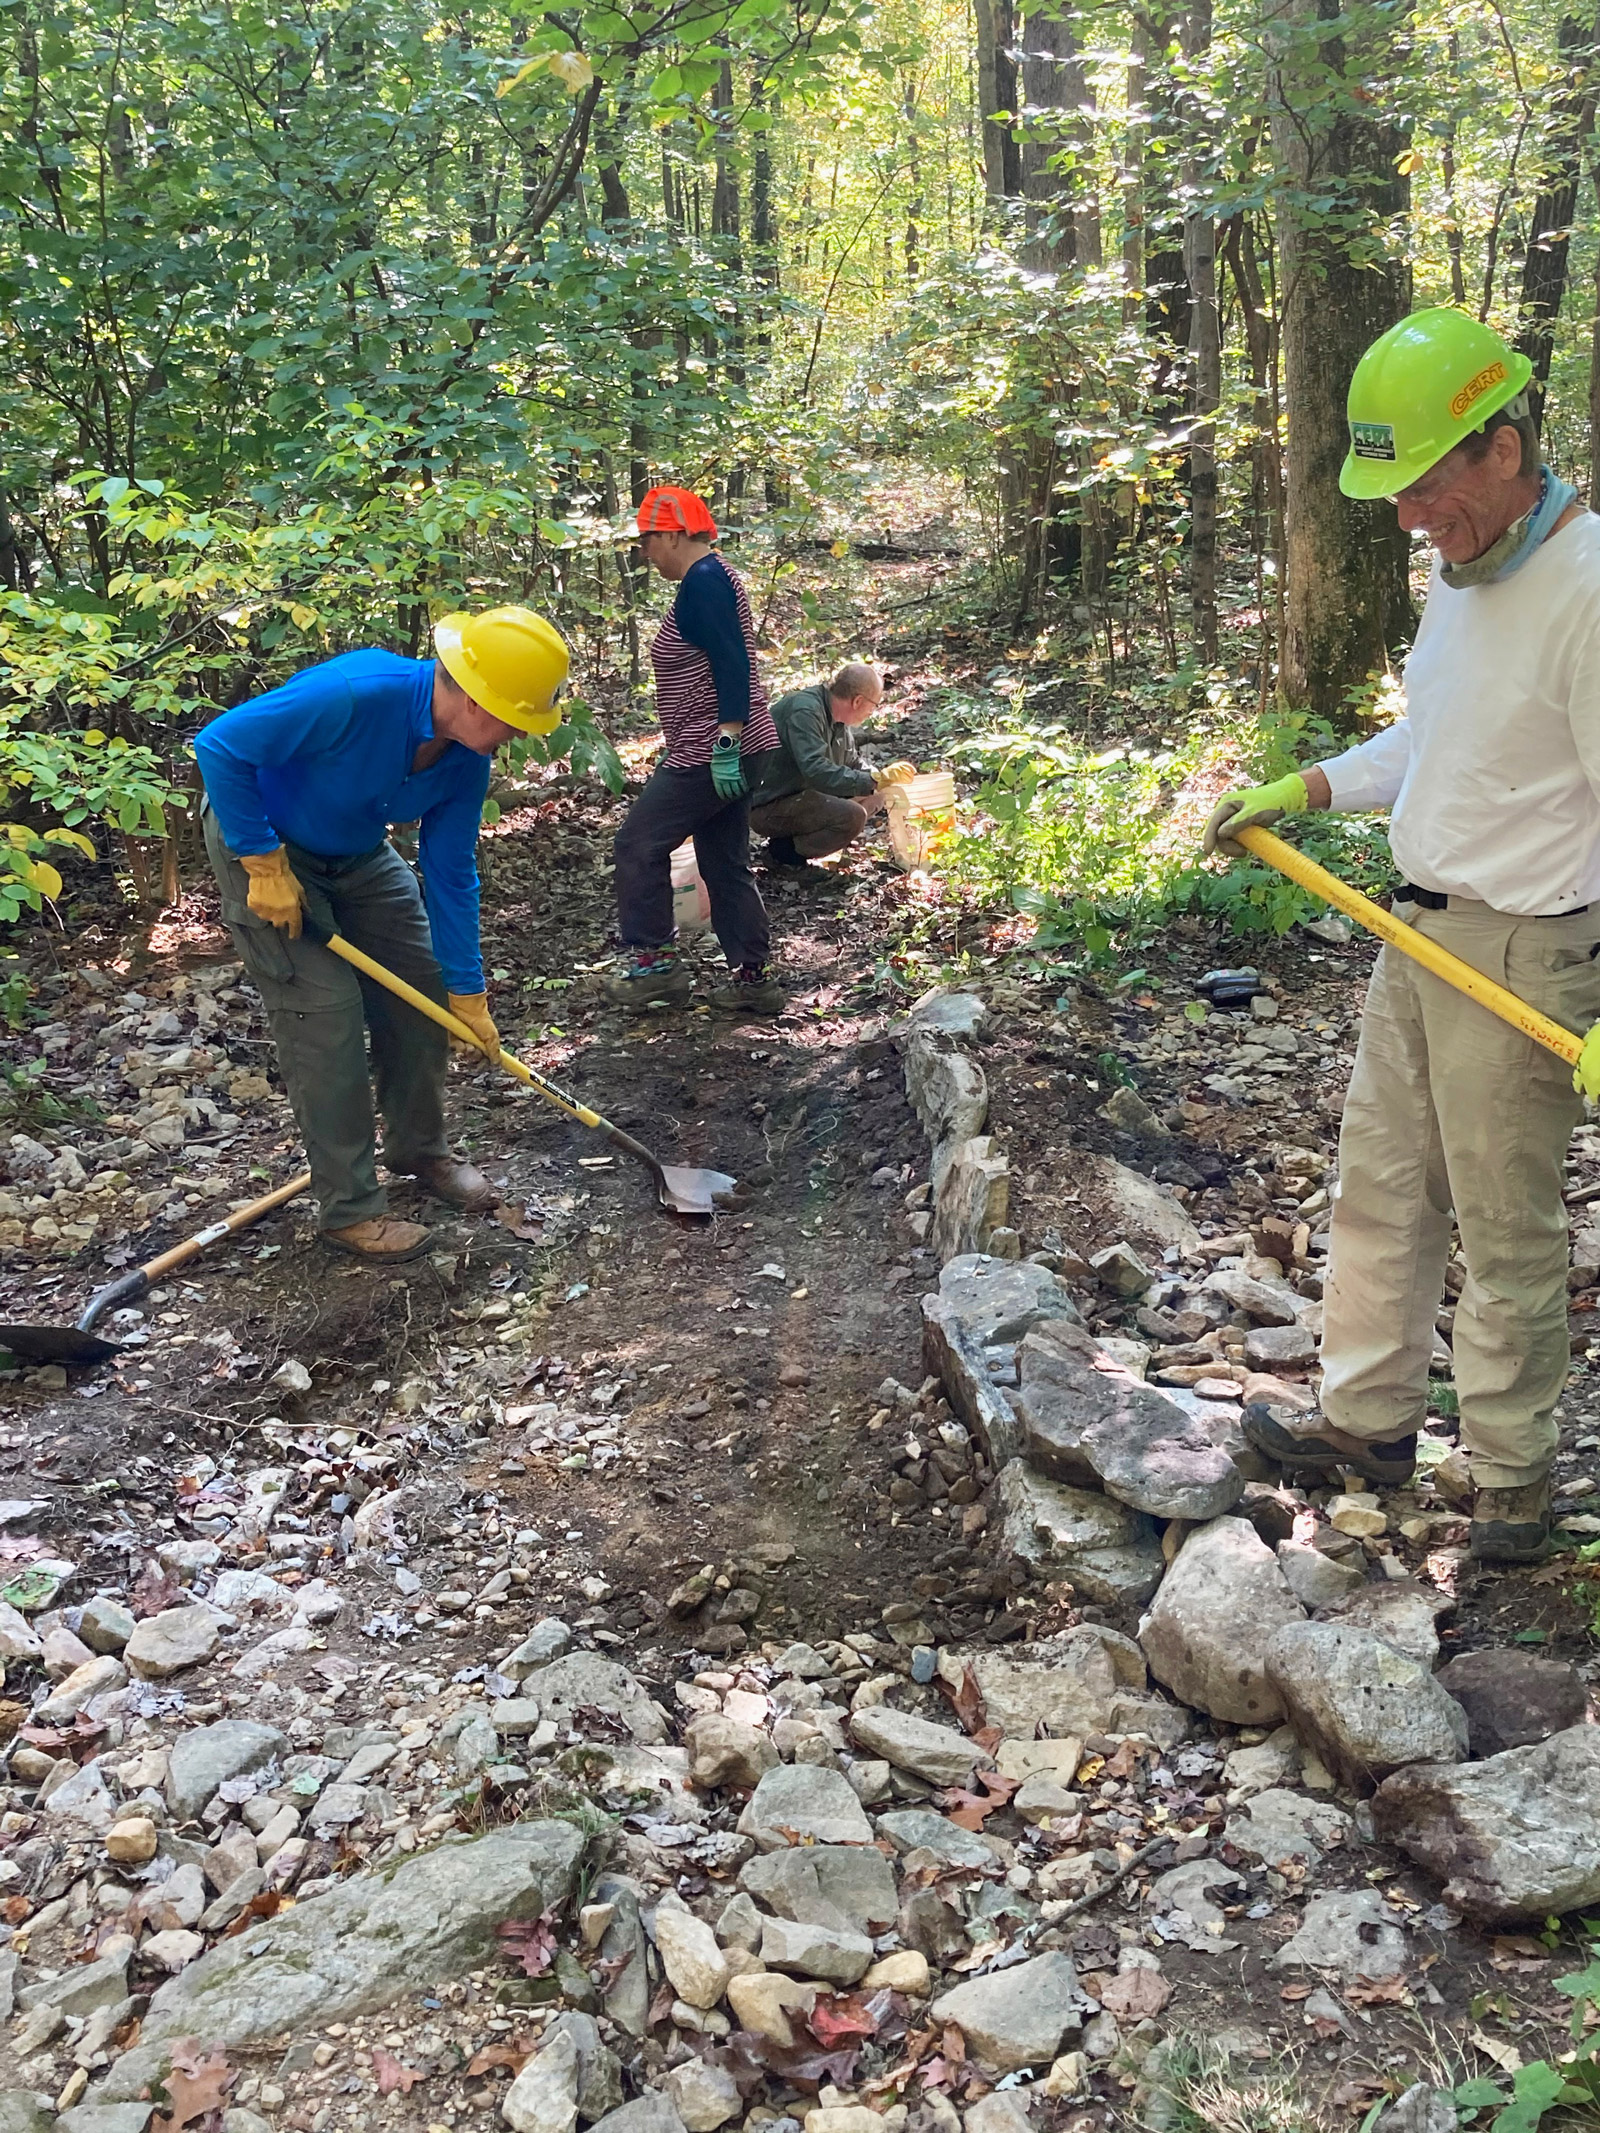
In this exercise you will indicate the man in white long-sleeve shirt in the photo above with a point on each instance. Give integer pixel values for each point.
(1492, 780)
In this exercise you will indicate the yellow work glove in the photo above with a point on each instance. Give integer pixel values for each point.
(275, 892)
(895, 774)
(1254, 808)
(1586, 1074)
(472, 1008)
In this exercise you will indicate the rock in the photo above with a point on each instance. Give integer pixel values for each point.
(724, 1751)
(1122, 1203)
(845, 2118)
(868, 1780)
(1315, 1579)
(706, 2097)
(1271, 1348)
(1120, 1269)
(804, 1662)
(985, 1303)
(764, 2000)
(104, 1624)
(86, 1799)
(17, 1640)
(955, 1013)
(21, 2113)
(946, 1089)
(1129, 1113)
(906, 1970)
(1017, 2017)
(132, 1842)
(363, 1943)
(652, 2112)
(1513, 1699)
(513, 1718)
(1278, 1825)
(1086, 1680)
(1516, 1836)
(933, 1927)
(80, 1989)
(599, 2068)
(96, 1677)
(1269, 1303)
(834, 1884)
(1422, 2109)
(1365, 1708)
(173, 1641)
(1089, 1421)
(938, 1753)
(1205, 1634)
(920, 1829)
(802, 1802)
(204, 1758)
(1402, 1611)
(623, 1945)
(971, 1197)
(1110, 1554)
(115, 2118)
(548, 1640)
(1359, 1515)
(696, 1966)
(739, 1922)
(836, 1954)
(1189, 1888)
(1001, 2111)
(1275, 1761)
(1041, 1802)
(587, 1681)
(172, 1949)
(544, 2096)
(1354, 1934)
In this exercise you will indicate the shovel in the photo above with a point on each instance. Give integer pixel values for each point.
(680, 1187)
(78, 1344)
(1409, 942)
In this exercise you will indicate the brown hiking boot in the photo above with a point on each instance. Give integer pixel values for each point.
(1512, 1525)
(751, 990)
(458, 1184)
(381, 1241)
(1310, 1440)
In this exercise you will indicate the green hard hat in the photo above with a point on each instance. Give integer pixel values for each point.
(1419, 389)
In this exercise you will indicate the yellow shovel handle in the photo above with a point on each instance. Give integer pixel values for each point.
(457, 1028)
(1409, 942)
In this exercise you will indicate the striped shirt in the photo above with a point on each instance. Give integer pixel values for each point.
(704, 656)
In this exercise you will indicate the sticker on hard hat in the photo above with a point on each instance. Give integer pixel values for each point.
(1491, 375)
(1372, 440)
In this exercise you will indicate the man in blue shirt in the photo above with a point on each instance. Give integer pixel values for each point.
(301, 787)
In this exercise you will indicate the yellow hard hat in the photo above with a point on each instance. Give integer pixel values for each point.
(509, 660)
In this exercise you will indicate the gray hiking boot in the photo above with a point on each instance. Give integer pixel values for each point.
(1512, 1525)
(1310, 1440)
(648, 980)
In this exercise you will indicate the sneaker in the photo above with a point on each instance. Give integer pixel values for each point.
(781, 852)
(750, 990)
(1310, 1440)
(653, 977)
(1511, 1525)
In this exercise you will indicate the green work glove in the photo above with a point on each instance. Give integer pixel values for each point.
(1586, 1074)
(727, 771)
(1254, 808)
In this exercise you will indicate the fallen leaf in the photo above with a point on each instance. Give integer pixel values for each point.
(965, 1699)
(1296, 1992)
(1135, 1994)
(970, 1810)
(393, 2078)
(1505, 2056)
(531, 1942)
(153, 1592)
(197, 2085)
(841, 2016)
(514, 2056)
(1379, 1991)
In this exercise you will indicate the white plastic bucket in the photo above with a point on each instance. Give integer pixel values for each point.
(921, 813)
(691, 905)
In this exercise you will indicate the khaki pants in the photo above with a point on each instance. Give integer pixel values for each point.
(320, 1012)
(1452, 1109)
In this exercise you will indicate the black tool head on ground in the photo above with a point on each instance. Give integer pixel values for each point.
(56, 1344)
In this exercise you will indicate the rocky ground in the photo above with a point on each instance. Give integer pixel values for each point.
(842, 1665)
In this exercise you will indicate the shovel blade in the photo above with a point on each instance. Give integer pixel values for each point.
(56, 1344)
(688, 1191)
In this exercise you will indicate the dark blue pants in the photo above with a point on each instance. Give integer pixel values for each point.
(676, 804)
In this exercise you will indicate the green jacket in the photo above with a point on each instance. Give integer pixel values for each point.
(817, 754)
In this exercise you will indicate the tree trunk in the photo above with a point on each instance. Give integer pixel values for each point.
(1063, 216)
(997, 99)
(1205, 368)
(1544, 269)
(1349, 601)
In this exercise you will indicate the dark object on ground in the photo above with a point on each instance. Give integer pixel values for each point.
(1513, 1699)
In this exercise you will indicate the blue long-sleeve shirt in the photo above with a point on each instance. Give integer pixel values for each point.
(706, 611)
(324, 762)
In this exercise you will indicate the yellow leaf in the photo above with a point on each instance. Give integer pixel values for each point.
(19, 836)
(573, 72)
(94, 738)
(301, 617)
(525, 72)
(73, 837)
(840, 548)
(1409, 162)
(45, 878)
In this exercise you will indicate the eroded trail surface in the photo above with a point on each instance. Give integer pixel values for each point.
(599, 1669)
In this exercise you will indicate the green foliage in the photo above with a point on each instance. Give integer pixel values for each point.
(1540, 2086)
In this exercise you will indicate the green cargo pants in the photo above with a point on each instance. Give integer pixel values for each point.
(319, 1011)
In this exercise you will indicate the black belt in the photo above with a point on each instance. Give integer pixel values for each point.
(1431, 900)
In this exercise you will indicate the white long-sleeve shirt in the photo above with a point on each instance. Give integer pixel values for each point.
(1493, 775)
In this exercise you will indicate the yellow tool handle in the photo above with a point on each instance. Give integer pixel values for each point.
(241, 1218)
(1409, 942)
(457, 1028)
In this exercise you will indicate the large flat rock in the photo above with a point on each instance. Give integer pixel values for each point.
(378, 1936)
(1110, 1554)
(1517, 1836)
(1206, 1633)
(1366, 1707)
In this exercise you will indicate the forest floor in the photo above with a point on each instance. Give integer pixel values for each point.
(574, 1409)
